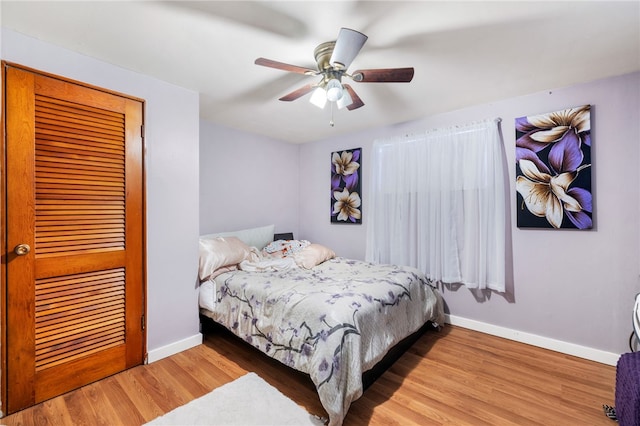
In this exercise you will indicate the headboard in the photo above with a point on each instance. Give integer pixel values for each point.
(255, 237)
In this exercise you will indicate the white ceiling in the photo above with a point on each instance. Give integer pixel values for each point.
(464, 53)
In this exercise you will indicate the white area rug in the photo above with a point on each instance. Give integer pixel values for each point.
(246, 401)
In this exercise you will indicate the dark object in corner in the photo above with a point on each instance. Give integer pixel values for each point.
(283, 236)
(610, 412)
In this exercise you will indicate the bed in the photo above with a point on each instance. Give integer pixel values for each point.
(330, 317)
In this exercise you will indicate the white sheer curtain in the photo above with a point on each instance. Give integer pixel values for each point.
(437, 202)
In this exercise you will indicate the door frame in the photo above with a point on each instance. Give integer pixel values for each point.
(5, 250)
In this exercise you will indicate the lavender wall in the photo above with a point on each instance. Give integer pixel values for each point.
(171, 167)
(568, 287)
(247, 181)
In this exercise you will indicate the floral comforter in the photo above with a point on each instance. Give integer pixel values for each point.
(333, 322)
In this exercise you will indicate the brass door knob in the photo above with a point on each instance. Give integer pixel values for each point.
(22, 249)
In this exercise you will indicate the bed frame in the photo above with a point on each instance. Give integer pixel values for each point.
(368, 377)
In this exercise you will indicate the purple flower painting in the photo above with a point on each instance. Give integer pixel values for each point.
(346, 204)
(553, 169)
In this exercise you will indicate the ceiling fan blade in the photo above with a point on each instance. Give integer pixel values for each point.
(384, 75)
(347, 46)
(285, 67)
(298, 93)
(357, 102)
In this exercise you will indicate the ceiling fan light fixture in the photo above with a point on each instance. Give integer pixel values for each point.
(334, 90)
(319, 97)
(345, 100)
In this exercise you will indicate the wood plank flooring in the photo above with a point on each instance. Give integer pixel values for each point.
(450, 377)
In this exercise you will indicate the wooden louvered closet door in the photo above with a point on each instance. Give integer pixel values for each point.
(74, 193)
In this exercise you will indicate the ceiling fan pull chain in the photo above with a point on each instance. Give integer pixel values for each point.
(331, 122)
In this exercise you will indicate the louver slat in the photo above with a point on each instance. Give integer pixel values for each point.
(88, 191)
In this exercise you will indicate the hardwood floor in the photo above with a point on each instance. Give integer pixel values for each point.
(451, 377)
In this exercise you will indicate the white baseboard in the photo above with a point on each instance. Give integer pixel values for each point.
(173, 348)
(585, 352)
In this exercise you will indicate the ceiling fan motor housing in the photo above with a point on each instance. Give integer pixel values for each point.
(323, 53)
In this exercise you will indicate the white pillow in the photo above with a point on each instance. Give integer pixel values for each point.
(253, 237)
(220, 252)
(313, 255)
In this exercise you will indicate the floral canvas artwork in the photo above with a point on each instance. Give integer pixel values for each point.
(346, 202)
(553, 169)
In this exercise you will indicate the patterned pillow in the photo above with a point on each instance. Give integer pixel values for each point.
(284, 248)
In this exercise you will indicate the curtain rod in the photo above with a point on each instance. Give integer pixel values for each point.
(457, 126)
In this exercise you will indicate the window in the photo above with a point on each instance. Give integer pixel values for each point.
(437, 202)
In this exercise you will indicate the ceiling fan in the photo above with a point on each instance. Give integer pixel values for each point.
(333, 59)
